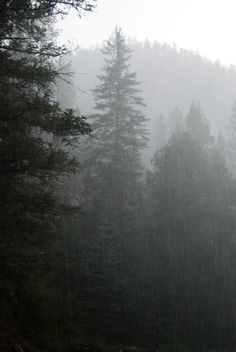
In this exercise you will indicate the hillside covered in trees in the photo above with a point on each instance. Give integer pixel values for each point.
(169, 78)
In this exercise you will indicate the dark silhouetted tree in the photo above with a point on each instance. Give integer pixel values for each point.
(30, 166)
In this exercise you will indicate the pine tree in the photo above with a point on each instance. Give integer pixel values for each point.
(119, 130)
(118, 123)
(114, 173)
(30, 166)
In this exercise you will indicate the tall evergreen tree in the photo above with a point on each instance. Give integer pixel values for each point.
(118, 123)
(30, 166)
(114, 173)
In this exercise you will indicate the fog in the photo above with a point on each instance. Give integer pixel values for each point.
(117, 176)
(206, 27)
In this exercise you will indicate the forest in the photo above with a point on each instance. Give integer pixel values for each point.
(118, 192)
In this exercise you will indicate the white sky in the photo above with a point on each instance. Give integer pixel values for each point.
(204, 26)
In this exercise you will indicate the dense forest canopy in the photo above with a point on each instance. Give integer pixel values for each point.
(107, 245)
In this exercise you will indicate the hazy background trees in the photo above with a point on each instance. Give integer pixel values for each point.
(169, 79)
(158, 246)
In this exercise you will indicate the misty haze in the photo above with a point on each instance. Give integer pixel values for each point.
(117, 176)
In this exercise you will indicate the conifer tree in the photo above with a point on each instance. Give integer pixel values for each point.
(118, 123)
(30, 166)
(113, 171)
(119, 129)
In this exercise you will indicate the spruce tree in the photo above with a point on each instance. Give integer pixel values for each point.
(30, 165)
(114, 174)
(118, 123)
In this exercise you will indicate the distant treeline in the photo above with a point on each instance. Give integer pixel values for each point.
(169, 78)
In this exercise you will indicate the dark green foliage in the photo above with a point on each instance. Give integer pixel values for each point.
(30, 164)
